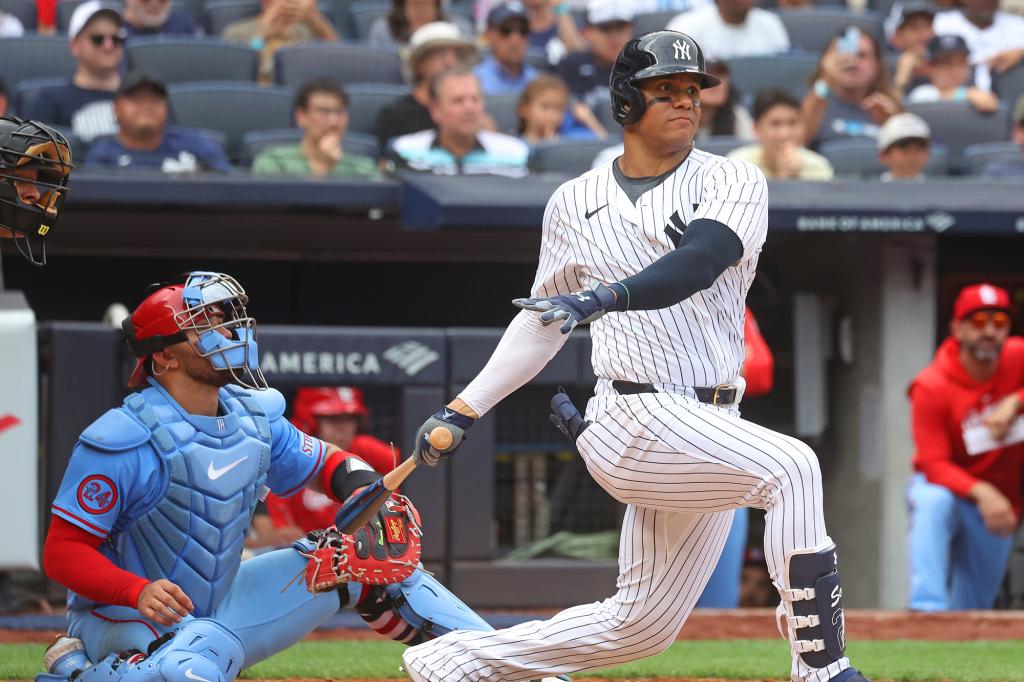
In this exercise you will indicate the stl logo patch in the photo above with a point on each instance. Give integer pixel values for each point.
(395, 530)
(97, 494)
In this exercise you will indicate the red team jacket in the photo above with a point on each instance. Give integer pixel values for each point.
(308, 509)
(945, 402)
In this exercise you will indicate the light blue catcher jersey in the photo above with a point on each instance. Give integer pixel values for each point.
(173, 493)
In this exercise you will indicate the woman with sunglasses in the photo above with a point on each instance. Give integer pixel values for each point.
(965, 497)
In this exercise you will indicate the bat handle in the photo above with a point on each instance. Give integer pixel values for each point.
(440, 438)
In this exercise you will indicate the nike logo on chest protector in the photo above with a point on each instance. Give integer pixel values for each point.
(214, 473)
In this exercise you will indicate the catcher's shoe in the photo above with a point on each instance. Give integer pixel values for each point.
(65, 656)
(418, 678)
(850, 675)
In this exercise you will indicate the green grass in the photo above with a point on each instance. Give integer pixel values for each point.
(750, 659)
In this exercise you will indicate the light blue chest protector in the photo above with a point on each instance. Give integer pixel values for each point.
(214, 469)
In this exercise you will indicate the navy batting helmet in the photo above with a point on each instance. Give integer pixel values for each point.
(658, 53)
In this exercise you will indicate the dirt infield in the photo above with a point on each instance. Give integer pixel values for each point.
(760, 624)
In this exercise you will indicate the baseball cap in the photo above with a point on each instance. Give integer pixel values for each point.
(609, 12)
(433, 36)
(912, 9)
(499, 14)
(339, 401)
(900, 127)
(87, 11)
(942, 46)
(978, 297)
(134, 82)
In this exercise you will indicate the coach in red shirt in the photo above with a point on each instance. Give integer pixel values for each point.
(965, 499)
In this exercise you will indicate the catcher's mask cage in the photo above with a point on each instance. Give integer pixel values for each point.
(31, 146)
(213, 308)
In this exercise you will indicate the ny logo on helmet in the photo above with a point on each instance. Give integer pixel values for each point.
(682, 50)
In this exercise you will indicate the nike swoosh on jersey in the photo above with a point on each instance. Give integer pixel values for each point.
(215, 473)
(191, 675)
(590, 214)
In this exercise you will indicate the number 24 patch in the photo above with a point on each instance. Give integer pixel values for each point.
(97, 494)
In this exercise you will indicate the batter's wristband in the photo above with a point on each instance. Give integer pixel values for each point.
(621, 296)
(450, 416)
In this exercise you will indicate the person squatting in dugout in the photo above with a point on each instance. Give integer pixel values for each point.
(148, 525)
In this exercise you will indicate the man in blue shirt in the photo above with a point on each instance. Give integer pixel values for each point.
(144, 140)
(505, 69)
(157, 17)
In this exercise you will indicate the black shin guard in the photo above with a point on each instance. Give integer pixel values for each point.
(813, 605)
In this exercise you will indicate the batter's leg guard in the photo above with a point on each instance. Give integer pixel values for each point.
(201, 650)
(813, 605)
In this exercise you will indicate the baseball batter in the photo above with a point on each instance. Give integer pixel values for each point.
(657, 250)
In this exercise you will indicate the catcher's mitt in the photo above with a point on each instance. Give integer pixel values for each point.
(386, 550)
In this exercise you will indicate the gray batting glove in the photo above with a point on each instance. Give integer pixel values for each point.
(455, 422)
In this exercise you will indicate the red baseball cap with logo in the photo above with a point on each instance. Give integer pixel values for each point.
(980, 297)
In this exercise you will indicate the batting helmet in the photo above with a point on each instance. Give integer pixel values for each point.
(210, 304)
(30, 146)
(325, 401)
(650, 55)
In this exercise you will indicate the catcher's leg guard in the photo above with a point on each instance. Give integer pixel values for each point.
(813, 605)
(430, 608)
(202, 649)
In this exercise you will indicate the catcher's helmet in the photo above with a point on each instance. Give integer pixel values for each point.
(28, 146)
(658, 53)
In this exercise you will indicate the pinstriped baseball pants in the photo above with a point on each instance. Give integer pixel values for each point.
(681, 467)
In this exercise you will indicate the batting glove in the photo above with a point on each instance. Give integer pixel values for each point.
(579, 307)
(457, 423)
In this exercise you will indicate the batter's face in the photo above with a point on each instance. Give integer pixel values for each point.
(339, 430)
(982, 334)
(673, 111)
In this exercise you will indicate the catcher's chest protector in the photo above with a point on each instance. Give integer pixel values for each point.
(214, 467)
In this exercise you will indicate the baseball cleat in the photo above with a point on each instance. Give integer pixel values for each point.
(850, 675)
(65, 656)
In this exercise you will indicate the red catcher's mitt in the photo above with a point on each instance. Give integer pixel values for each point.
(386, 550)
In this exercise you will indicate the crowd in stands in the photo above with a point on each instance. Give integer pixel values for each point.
(485, 82)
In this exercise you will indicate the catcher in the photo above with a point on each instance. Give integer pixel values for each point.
(148, 525)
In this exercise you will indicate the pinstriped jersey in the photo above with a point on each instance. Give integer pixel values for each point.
(593, 233)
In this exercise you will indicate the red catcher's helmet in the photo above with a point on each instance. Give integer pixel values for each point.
(153, 327)
(325, 401)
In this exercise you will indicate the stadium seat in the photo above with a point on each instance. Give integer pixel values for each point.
(363, 13)
(24, 94)
(858, 157)
(65, 8)
(178, 59)
(24, 11)
(652, 21)
(571, 157)
(750, 75)
(503, 109)
(219, 105)
(343, 62)
(255, 142)
(811, 30)
(1010, 84)
(720, 144)
(536, 58)
(78, 147)
(978, 156)
(219, 15)
(338, 12)
(958, 125)
(366, 100)
(35, 56)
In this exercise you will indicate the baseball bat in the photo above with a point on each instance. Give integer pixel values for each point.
(363, 506)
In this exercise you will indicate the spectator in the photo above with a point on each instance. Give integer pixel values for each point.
(321, 110)
(542, 109)
(733, 28)
(850, 94)
(432, 49)
(995, 38)
(965, 499)
(948, 73)
(505, 69)
(10, 26)
(144, 140)
(904, 147)
(1014, 167)
(408, 16)
(156, 17)
(909, 29)
(280, 23)
(779, 151)
(459, 145)
(83, 103)
(553, 30)
(609, 26)
(720, 110)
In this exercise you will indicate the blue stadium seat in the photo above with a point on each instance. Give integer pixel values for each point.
(652, 21)
(1010, 84)
(178, 59)
(231, 107)
(366, 100)
(221, 14)
(503, 109)
(25, 92)
(978, 156)
(812, 29)
(858, 157)
(720, 144)
(337, 12)
(363, 13)
(255, 142)
(35, 56)
(571, 157)
(957, 125)
(343, 62)
(24, 11)
(791, 72)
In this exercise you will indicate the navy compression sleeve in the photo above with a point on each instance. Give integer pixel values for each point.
(706, 249)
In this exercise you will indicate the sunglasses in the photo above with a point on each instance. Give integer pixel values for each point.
(506, 31)
(116, 39)
(982, 318)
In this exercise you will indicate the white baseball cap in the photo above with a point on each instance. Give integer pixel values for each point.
(903, 127)
(609, 11)
(436, 35)
(85, 12)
